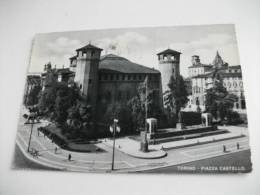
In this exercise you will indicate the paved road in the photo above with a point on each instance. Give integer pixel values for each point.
(101, 162)
(232, 163)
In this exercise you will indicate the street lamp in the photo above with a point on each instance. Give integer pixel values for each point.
(113, 129)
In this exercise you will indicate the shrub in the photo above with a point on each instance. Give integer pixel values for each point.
(191, 118)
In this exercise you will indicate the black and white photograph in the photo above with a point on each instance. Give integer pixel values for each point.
(135, 100)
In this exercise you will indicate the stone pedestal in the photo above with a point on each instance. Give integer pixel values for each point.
(144, 146)
(144, 142)
(180, 126)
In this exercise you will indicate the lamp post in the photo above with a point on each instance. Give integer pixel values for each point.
(113, 130)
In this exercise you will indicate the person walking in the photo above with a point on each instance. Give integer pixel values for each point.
(238, 146)
(224, 148)
(55, 150)
(69, 157)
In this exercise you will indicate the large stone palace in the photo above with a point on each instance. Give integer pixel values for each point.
(111, 79)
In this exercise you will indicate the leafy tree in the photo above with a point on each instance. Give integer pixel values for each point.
(218, 101)
(176, 96)
(147, 100)
(122, 113)
(137, 108)
(57, 97)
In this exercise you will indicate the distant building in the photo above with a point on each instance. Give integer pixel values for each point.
(201, 80)
(58, 74)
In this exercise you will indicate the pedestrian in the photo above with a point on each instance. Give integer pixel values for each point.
(55, 150)
(224, 148)
(238, 146)
(69, 157)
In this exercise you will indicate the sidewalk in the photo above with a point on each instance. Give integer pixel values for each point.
(131, 147)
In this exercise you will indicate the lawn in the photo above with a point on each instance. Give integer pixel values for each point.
(77, 145)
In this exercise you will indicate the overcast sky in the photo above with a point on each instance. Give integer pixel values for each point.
(139, 44)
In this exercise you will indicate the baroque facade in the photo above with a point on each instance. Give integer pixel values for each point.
(201, 80)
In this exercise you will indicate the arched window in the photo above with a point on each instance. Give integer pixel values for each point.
(229, 84)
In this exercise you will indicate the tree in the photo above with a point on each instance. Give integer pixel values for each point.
(137, 109)
(144, 104)
(122, 113)
(57, 97)
(218, 101)
(176, 96)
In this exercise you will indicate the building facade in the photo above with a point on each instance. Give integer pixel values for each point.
(201, 80)
(109, 80)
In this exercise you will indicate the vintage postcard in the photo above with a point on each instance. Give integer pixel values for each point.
(135, 100)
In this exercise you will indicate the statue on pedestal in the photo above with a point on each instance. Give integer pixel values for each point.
(180, 120)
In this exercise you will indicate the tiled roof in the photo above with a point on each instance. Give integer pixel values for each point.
(201, 65)
(89, 46)
(73, 57)
(169, 51)
(116, 63)
(64, 71)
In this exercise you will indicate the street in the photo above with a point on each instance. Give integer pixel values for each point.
(101, 162)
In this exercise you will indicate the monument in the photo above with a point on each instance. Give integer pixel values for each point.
(180, 124)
